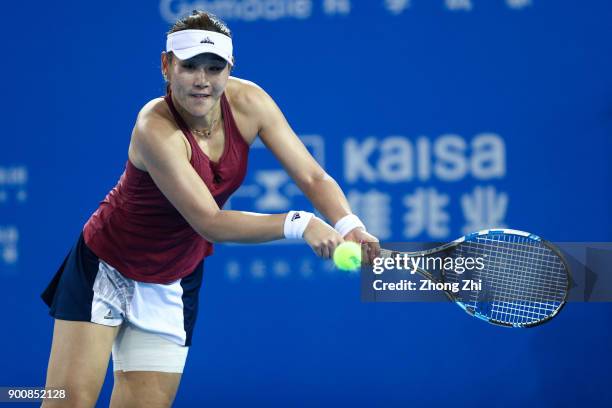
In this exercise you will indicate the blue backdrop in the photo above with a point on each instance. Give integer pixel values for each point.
(437, 117)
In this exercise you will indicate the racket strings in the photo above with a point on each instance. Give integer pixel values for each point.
(513, 277)
(523, 280)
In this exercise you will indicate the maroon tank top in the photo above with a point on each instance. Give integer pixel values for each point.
(138, 231)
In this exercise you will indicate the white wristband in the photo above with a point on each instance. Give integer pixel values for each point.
(295, 223)
(348, 223)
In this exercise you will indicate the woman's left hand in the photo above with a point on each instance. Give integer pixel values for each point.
(370, 248)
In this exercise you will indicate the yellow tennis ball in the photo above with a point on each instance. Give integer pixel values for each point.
(347, 256)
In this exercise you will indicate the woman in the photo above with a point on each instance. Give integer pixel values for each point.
(131, 282)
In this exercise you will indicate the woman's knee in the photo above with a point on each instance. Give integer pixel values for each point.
(144, 389)
(77, 396)
(78, 362)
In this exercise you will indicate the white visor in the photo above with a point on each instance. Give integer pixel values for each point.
(187, 44)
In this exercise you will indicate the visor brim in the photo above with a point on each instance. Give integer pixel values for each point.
(191, 52)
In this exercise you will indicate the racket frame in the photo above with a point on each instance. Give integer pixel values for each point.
(471, 236)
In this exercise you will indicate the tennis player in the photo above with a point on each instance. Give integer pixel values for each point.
(130, 284)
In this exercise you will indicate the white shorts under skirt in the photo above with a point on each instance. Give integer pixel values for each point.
(156, 320)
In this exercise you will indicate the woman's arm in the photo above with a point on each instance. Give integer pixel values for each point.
(161, 150)
(320, 188)
(274, 131)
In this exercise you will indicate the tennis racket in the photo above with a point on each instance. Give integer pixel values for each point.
(524, 280)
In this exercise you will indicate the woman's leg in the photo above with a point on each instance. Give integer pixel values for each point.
(150, 389)
(147, 369)
(79, 358)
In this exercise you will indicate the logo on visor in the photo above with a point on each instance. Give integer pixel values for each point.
(207, 41)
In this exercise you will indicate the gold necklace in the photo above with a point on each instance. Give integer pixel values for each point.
(206, 132)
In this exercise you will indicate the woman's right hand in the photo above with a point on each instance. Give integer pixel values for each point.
(322, 238)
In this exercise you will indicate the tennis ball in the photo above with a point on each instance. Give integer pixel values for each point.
(347, 256)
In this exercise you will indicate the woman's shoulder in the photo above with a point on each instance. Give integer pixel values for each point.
(154, 127)
(154, 110)
(241, 86)
(155, 122)
(247, 101)
(244, 95)
(155, 117)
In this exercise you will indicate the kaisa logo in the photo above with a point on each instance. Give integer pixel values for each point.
(420, 187)
(268, 188)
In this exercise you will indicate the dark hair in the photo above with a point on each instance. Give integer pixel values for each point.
(198, 20)
(201, 20)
